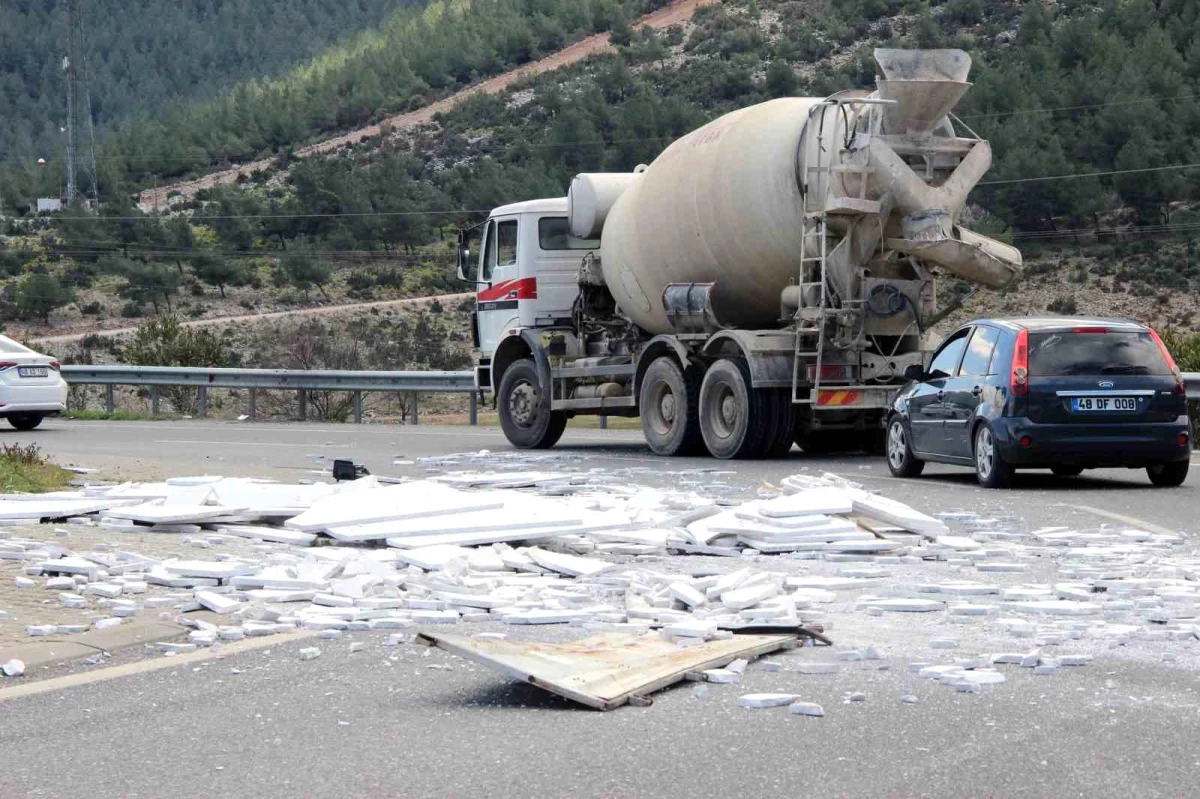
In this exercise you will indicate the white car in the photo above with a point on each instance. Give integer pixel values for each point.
(31, 385)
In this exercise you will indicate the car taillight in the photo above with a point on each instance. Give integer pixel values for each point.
(1090, 330)
(1019, 384)
(1180, 386)
(56, 366)
(6, 365)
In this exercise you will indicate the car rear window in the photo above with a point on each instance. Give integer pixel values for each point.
(1068, 353)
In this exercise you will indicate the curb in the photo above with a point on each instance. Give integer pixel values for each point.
(40, 651)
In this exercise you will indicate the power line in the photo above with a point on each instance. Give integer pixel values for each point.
(1088, 174)
(1026, 111)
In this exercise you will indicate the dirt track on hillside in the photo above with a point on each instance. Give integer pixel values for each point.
(325, 310)
(674, 14)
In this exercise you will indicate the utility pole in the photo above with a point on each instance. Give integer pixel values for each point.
(81, 159)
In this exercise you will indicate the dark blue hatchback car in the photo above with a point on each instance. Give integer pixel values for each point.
(1059, 393)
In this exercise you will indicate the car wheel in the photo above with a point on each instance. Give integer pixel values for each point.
(1168, 475)
(901, 460)
(25, 421)
(991, 469)
(1066, 471)
(526, 424)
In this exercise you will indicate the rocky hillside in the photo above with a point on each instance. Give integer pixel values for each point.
(1091, 108)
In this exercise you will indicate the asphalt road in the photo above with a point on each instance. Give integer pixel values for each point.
(382, 722)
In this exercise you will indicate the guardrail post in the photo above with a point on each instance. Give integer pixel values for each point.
(358, 407)
(253, 404)
(603, 422)
(109, 405)
(303, 405)
(474, 409)
(202, 401)
(153, 401)
(413, 402)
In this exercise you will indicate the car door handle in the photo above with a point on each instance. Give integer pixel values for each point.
(941, 395)
(977, 390)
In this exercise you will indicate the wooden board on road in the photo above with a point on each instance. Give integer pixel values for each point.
(605, 671)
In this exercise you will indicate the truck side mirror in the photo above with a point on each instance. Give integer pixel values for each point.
(464, 262)
(915, 372)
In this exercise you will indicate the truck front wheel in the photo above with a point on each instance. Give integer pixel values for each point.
(526, 424)
(735, 420)
(669, 405)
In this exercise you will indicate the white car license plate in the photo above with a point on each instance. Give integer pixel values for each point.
(1090, 404)
(32, 371)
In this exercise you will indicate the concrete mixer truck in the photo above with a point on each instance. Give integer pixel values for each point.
(765, 281)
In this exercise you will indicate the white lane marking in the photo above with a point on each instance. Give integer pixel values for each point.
(144, 666)
(250, 444)
(1132, 521)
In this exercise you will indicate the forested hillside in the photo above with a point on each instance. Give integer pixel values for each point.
(147, 64)
(1093, 110)
(144, 55)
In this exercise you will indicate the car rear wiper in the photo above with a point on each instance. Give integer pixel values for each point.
(1125, 369)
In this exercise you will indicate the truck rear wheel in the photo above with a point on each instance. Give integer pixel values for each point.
(781, 420)
(735, 420)
(669, 405)
(526, 424)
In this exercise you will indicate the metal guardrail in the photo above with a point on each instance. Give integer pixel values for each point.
(302, 381)
(255, 380)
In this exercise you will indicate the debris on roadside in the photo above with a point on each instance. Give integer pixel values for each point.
(588, 549)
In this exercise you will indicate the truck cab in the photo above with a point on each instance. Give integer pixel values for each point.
(525, 265)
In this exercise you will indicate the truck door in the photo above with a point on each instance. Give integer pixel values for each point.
(496, 300)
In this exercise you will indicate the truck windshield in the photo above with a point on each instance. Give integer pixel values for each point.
(1111, 353)
(554, 233)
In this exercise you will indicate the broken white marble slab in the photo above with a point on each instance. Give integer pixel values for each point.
(898, 514)
(567, 564)
(814, 501)
(959, 588)
(218, 603)
(434, 558)
(807, 709)
(171, 514)
(264, 533)
(422, 499)
(435, 616)
(547, 616)
(829, 583)
(746, 597)
(766, 700)
(213, 569)
(691, 628)
(722, 676)
(906, 605)
(268, 499)
(13, 668)
(57, 508)
(687, 594)
(1056, 607)
(518, 513)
